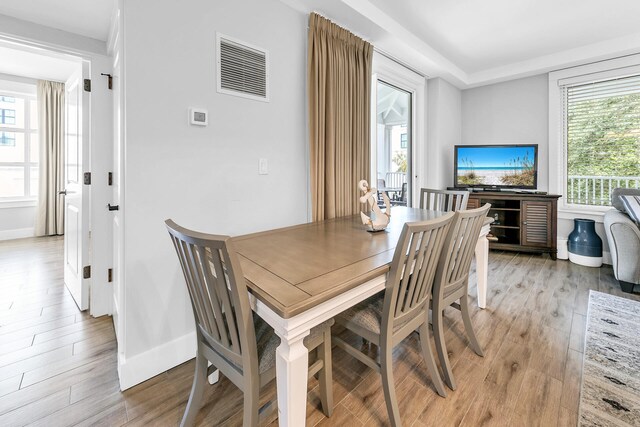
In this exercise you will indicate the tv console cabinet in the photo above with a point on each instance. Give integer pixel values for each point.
(525, 222)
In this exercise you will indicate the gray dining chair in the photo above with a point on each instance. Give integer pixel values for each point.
(451, 283)
(443, 200)
(229, 335)
(401, 197)
(388, 318)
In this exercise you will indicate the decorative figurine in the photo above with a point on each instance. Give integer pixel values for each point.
(381, 219)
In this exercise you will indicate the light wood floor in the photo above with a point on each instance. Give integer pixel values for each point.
(58, 366)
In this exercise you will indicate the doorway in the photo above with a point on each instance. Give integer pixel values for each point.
(393, 145)
(84, 120)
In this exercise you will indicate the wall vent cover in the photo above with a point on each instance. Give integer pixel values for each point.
(243, 70)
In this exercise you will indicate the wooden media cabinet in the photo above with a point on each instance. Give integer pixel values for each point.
(525, 222)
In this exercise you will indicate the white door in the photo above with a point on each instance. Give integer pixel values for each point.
(76, 204)
(117, 194)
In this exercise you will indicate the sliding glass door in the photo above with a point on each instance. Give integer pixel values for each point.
(393, 142)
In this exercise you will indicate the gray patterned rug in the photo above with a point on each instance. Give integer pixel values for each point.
(610, 393)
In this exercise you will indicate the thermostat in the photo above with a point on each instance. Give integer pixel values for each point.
(198, 116)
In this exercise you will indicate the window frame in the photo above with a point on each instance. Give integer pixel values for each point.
(558, 80)
(27, 131)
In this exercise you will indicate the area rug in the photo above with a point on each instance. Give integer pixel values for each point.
(610, 392)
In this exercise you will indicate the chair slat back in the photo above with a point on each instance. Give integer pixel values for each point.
(455, 261)
(413, 268)
(218, 292)
(443, 200)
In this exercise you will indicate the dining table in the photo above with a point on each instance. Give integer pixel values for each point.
(303, 275)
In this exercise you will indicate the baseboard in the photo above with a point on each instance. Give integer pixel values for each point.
(141, 367)
(606, 258)
(19, 233)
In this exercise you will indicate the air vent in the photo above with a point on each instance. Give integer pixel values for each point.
(243, 70)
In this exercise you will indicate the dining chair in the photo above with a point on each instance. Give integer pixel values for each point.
(401, 197)
(229, 335)
(387, 318)
(451, 282)
(443, 200)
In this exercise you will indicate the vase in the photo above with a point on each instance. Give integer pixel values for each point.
(585, 246)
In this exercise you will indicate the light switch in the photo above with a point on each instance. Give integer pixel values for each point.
(263, 167)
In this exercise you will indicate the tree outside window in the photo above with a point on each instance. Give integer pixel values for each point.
(602, 139)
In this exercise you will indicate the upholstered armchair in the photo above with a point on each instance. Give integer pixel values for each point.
(623, 236)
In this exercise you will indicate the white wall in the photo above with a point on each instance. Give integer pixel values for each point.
(513, 112)
(204, 178)
(17, 222)
(443, 131)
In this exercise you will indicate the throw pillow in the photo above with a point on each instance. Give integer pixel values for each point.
(632, 206)
(615, 197)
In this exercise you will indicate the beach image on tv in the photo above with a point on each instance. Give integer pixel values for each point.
(512, 166)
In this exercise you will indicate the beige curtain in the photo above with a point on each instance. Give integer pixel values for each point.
(339, 83)
(50, 215)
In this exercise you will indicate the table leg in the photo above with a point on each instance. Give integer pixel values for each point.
(292, 365)
(482, 261)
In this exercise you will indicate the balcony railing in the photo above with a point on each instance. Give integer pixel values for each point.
(395, 179)
(596, 190)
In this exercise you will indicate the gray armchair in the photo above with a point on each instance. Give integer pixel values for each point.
(623, 236)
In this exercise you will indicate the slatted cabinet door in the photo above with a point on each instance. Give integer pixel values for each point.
(536, 223)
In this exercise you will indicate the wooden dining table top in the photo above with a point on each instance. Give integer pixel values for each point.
(295, 268)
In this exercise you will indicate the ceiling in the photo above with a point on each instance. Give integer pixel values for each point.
(481, 35)
(89, 18)
(393, 105)
(35, 63)
(468, 42)
(471, 42)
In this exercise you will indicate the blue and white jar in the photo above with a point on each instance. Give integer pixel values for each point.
(585, 246)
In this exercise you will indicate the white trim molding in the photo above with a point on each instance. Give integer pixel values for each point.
(20, 233)
(597, 71)
(141, 367)
(18, 203)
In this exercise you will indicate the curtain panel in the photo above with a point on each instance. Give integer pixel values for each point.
(339, 94)
(50, 214)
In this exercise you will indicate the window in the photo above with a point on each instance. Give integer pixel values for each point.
(8, 138)
(19, 148)
(601, 139)
(7, 117)
(403, 140)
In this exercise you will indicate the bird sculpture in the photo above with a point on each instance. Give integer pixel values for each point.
(380, 219)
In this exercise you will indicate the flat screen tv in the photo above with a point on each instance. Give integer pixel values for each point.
(496, 166)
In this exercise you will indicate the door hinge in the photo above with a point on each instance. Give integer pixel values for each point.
(110, 179)
(110, 275)
(86, 272)
(87, 178)
(87, 85)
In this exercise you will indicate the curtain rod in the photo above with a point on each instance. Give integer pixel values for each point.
(397, 61)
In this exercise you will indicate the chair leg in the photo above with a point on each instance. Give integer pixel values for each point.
(427, 353)
(197, 391)
(386, 370)
(325, 374)
(464, 309)
(626, 286)
(251, 404)
(441, 347)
